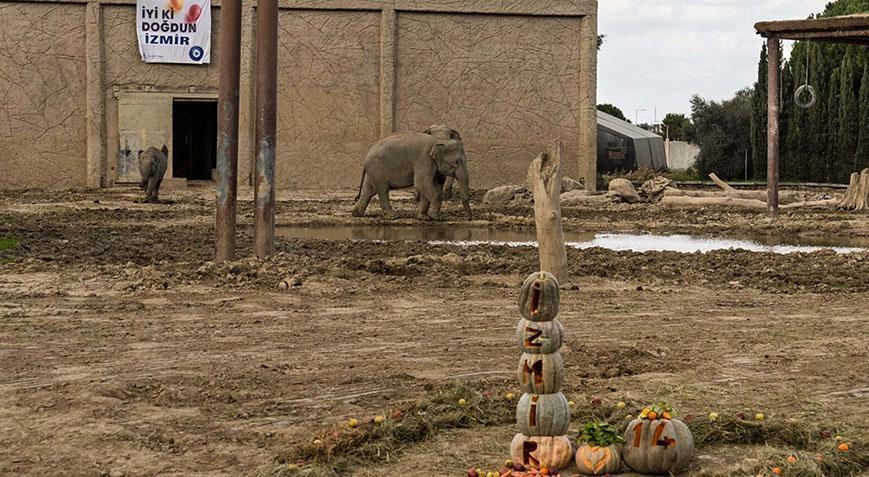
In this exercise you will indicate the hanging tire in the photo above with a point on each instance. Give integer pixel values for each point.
(798, 96)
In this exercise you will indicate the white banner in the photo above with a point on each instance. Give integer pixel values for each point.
(174, 31)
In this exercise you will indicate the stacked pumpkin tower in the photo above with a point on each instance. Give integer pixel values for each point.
(543, 414)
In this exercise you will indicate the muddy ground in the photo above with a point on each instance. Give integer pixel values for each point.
(125, 351)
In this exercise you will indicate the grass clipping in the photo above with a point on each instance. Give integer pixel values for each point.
(338, 449)
(795, 448)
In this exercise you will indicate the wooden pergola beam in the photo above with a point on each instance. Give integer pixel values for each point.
(842, 29)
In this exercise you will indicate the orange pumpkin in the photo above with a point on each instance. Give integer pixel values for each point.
(540, 373)
(537, 452)
(539, 337)
(594, 460)
(543, 414)
(658, 446)
(539, 297)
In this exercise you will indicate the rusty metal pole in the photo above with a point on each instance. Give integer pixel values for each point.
(772, 152)
(266, 106)
(227, 129)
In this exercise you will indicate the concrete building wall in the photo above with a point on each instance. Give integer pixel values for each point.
(681, 155)
(42, 108)
(509, 75)
(509, 84)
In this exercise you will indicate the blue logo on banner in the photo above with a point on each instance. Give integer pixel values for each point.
(196, 53)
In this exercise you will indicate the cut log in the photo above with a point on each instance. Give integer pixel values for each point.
(713, 201)
(738, 194)
(812, 203)
(857, 196)
(544, 180)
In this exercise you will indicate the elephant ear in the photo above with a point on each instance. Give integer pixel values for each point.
(455, 135)
(438, 151)
(427, 131)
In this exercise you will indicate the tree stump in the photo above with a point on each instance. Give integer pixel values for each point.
(857, 196)
(544, 180)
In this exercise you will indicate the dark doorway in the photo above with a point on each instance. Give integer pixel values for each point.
(194, 139)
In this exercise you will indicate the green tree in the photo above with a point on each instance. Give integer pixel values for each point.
(758, 117)
(679, 127)
(612, 111)
(723, 132)
(849, 119)
(863, 141)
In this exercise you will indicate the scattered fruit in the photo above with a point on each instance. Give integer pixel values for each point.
(629, 417)
(493, 474)
(317, 442)
(759, 417)
(510, 396)
(518, 466)
(689, 418)
(620, 405)
(378, 419)
(544, 471)
(819, 458)
(571, 403)
(839, 438)
(462, 402)
(653, 415)
(792, 459)
(776, 470)
(740, 416)
(843, 447)
(473, 472)
(508, 464)
(713, 416)
(352, 423)
(826, 434)
(596, 401)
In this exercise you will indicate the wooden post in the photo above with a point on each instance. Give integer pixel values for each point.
(772, 159)
(587, 117)
(544, 178)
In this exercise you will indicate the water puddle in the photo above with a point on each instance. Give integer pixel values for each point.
(474, 236)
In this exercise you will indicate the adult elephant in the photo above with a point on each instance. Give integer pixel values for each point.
(418, 160)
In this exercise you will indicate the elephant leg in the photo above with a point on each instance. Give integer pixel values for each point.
(385, 206)
(151, 192)
(157, 190)
(435, 211)
(423, 208)
(366, 192)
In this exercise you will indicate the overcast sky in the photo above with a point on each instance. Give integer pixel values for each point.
(661, 53)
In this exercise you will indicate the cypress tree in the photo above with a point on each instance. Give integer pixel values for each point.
(849, 121)
(832, 160)
(862, 154)
(759, 118)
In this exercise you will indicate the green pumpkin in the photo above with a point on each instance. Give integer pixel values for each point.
(539, 297)
(539, 337)
(660, 446)
(543, 415)
(540, 373)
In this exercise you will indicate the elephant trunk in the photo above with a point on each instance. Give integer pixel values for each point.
(464, 189)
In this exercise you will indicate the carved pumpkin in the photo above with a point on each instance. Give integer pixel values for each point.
(539, 337)
(594, 460)
(539, 297)
(543, 414)
(658, 446)
(537, 452)
(540, 373)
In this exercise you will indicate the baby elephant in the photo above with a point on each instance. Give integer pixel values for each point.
(152, 167)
